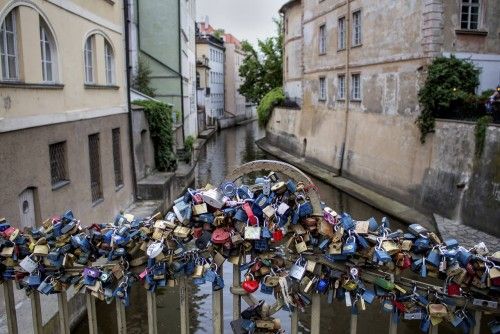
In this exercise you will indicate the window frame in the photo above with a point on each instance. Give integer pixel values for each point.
(322, 89)
(47, 39)
(117, 157)
(95, 168)
(109, 63)
(341, 87)
(355, 87)
(357, 26)
(4, 56)
(89, 60)
(322, 39)
(341, 33)
(59, 175)
(470, 5)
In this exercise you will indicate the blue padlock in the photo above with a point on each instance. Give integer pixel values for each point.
(291, 186)
(268, 290)
(322, 285)
(372, 225)
(433, 258)
(349, 246)
(425, 325)
(421, 245)
(451, 243)
(324, 244)
(362, 241)
(240, 215)
(243, 192)
(347, 222)
(261, 245)
(199, 281)
(305, 209)
(463, 257)
(382, 256)
(368, 296)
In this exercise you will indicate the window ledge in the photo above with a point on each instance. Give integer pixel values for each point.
(322, 100)
(120, 187)
(356, 46)
(94, 86)
(111, 2)
(341, 99)
(96, 203)
(355, 100)
(60, 184)
(471, 32)
(322, 53)
(24, 85)
(340, 50)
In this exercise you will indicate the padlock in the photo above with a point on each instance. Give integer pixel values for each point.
(434, 258)
(261, 245)
(28, 264)
(228, 188)
(390, 247)
(382, 256)
(250, 284)
(349, 246)
(269, 211)
(214, 198)
(277, 235)
(417, 230)
(200, 209)
(310, 266)
(252, 232)
(298, 269)
(300, 246)
(335, 248)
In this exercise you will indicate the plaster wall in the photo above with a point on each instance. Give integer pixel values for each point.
(234, 101)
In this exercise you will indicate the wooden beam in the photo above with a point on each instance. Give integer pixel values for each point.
(121, 319)
(10, 306)
(316, 313)
(294, 323)
(184, 305)
(218, 309)
(353, 329)
(36, 312)
(91, 313)
(152, 313)
(62, 302)
(477, 317)
(236, 298)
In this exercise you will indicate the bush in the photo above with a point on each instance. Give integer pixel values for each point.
(189, 143)
(480, 132)
(272, 99)
(159, 116)
(448, 92)
(142, 81)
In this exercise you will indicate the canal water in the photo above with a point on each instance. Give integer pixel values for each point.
(225, 151)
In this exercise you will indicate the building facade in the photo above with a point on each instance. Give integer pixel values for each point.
(235, 103)
(212, 48)
(64, 130)
(355, 68)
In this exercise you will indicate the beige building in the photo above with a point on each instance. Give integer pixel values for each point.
(235, 103)
(64, 130)
(355, 67)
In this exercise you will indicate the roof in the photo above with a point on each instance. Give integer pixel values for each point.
(286, 5)
(230, 39)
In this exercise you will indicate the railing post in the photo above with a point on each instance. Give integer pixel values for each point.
(315, 313)
(152, 322)
(91, 313)
(434, 330)
(217, 309)
(36, 312)
(294, 324)
(184, 305)
(393, 324)
(477, 317)
(62, 302)
(10, 306)
(121, 319)
(353, 329)
(236, 298)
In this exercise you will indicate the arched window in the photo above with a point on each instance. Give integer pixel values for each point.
(89, 60)
(8, 47)
(109, 60)
(48, 53)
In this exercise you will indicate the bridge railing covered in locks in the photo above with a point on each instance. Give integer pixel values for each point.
(276, 232)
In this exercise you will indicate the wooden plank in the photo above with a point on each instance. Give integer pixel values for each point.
(315, 313)
(477, 317)
(10, 306)
(217, 310)
(121, 319)
(152, 313)
(434, 329)
(36, 312)
(184, 305)
(294, 324)
(393, 324)
(353, 329)
(91, 313)
(236, 298)
(62, 302)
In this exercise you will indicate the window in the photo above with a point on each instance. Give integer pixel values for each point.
(117, 157)
(356, 28)
(95, 168)
(109, 63)
(341, 34)
(89, 59)
(322, 89)
(322, 39)
(341, 87)
(286, 64)
(58, 169)
(48, 53)
(470, 14)
(8, 47)
(356, 87)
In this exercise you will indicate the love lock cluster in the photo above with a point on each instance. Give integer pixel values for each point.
(283, 243)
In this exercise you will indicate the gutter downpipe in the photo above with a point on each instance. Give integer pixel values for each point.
(180, 72)
(129, 103)
(347, 84)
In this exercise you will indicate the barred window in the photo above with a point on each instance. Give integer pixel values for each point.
(356, 28)
(470, 14)
(117, 157)
(322, 89)
(341, 87)
(95, 167)
(356, 87)
(58, 169)
(322, 39)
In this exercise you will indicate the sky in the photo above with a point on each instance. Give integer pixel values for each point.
(245, 19)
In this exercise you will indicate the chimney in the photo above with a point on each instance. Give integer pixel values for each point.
(206, 22)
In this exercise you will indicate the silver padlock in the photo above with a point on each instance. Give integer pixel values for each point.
(252, 232)
(28, 264)
(266, 187)
(417, 315)
(214, 197)
(282, 208)
(298, 269)
(154, 249)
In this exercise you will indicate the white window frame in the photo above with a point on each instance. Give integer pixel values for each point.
(356, 28)
(4, 55)
(322, 89)
(470, 5)
(356, 87)
(322, 39)
(341, 33)
(88, 55)
(341, 87)
(109, 62)
(47, 43)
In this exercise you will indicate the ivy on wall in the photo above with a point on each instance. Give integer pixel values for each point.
(272, 99)
(159, 116)
(480, 132)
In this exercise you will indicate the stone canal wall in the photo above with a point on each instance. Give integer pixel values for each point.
(384, 153)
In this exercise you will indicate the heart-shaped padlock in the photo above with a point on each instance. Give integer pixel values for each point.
(250, 284)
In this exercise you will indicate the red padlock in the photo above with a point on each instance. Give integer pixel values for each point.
(250, 284)
(277, 235)
(197, 232)
(406, 262)
(453, 289)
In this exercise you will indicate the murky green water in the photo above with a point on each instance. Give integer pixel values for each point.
(224, 152)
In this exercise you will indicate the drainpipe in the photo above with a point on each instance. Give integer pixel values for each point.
(347, 84)
(180, 72)
(127, 74)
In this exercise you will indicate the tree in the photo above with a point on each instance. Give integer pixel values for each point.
(262, 70)
(142, 80)
(219, 33)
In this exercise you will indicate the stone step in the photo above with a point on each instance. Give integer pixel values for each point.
(155, 187)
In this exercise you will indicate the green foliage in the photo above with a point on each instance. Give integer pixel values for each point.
(448, 89)
(262, 70)
(486, 95)
(141, 82)
(480, 131)
(219, 33)
(159, 116)
(189, 143)
(272, 99)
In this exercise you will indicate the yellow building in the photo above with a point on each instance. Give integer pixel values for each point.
(64, 129)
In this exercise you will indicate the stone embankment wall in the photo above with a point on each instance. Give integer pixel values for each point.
(384, 153)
